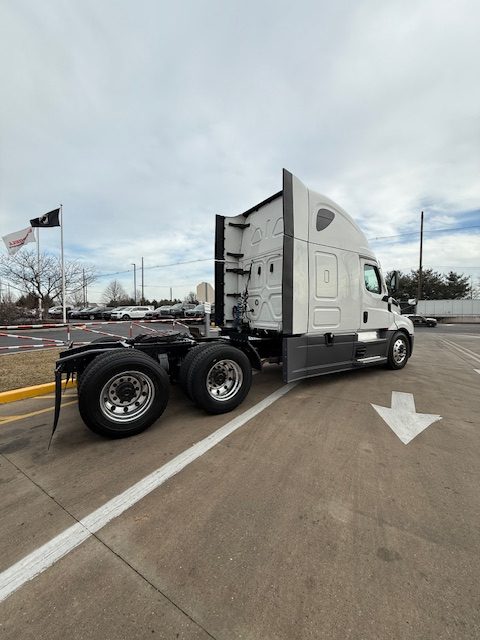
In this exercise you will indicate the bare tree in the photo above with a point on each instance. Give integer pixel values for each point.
(191, 297)
(77, 298)
(114, 293)
(43, 279)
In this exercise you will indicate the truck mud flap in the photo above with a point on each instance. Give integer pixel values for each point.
(58, 401)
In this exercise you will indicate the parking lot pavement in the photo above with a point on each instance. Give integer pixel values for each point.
(97, 329)
(313, 520)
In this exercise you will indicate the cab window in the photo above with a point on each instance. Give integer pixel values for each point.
(372, 279)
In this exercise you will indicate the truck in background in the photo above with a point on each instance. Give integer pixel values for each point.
(451, 310)
(295, 283)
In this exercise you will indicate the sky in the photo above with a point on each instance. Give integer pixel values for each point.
(147, 118)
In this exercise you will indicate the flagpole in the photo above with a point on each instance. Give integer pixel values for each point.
(63, 267)
(38, 276)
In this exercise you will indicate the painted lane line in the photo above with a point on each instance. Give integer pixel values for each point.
(477, 370)
(7, 419)
(64, 395)
(463, 350)
(45, 556)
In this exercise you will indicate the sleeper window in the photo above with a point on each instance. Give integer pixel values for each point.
(372, 279)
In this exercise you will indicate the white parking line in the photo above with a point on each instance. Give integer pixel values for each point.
(45, 556)
(463, 350)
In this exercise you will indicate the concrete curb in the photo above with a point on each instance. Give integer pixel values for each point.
(32, 392)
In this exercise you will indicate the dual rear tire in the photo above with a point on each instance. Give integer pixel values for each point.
(123, 391)
(216, 377)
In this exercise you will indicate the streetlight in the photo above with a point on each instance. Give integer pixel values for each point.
(134, 282)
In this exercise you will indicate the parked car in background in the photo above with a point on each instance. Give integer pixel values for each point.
(91, 313)
(74, 314)
(180, 310)
(57, 312)
(166, 311)
(422, 321)
(130, 313)
(25, 312)
(176, 310)
(198, 311)
(156, 313)
(107, 313)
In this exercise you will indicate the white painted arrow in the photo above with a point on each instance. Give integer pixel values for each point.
(402, 418)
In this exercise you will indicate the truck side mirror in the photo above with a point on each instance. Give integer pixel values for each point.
(392, 283)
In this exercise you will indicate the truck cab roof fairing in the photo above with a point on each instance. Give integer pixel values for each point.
(335, 227)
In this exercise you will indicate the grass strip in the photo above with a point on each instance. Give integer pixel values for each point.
(27, 369)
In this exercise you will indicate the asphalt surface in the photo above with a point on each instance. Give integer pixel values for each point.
(312, 520)
(93, 330)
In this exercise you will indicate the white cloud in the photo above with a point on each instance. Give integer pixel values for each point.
(147, 120)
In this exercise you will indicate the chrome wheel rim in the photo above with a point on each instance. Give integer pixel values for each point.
(224, 380)
(127, 396)
(399, 351)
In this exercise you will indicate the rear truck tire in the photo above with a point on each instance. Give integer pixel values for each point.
(398, 351)
(186, 364)
(122, 393)
(219, 378)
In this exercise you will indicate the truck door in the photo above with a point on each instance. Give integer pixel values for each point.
(374, 313)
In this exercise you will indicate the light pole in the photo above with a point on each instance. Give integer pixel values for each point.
(134, 282)
(420, 275)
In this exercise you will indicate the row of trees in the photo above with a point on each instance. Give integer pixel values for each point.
(41, 279)
(436, 286)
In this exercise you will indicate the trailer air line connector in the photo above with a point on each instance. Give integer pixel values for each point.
(241, 309)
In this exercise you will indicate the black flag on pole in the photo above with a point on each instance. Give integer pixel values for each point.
(50, 219)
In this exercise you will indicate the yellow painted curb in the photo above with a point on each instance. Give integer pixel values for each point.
(32, 392)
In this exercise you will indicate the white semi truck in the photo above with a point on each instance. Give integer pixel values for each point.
(295, 283)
